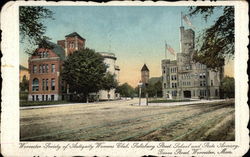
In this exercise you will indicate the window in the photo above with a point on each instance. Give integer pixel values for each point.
(201, 83)
(212, 83)
(71, 45)
(216, 92)
(204, 75)
(164, 85)
(53, 84)
(200, 75)
(43, 68)
(35, 84)
(46, 97)
(37, 98)
(42, 97)
(46, 54)
(52, 97)
(53, 68)
(33, 98)
(40, 68)
(43, 86)
(34, 69)
(204, 83)
(174, 93)
(47, 68)
(47, 84)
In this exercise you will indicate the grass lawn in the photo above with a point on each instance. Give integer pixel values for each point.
(40, 103)
(172, 100)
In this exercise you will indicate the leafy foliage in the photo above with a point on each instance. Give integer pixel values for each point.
(227, 87)
(154, 89)
(125, 90)
(24, 85)
(109, 82)
(216, 42)
(84, 71)
(31, 22)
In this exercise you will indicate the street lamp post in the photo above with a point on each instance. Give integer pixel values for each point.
(140, 85)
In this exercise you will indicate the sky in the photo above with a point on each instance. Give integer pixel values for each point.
(135, 34)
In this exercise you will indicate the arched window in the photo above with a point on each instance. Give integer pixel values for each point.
(35, 84)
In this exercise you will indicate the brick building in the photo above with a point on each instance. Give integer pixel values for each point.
(45, 67)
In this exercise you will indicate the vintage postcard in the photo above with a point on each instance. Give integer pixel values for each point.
(124, 79)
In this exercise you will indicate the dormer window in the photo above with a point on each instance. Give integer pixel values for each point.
(71, 45)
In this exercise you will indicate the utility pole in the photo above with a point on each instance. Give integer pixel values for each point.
(140, 85)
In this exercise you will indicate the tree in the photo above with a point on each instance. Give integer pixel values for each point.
(125, 90)
(227, 87)
(24, 85)
(31, 23)
(109, 82)
(216, 42)
(84, 71)
(154, 89)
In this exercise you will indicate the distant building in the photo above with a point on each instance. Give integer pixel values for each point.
(183, 78)
(110, 61)
(45, 66)
(144, 74)
(23, 73)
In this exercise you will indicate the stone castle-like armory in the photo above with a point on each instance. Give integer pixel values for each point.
(184, 78)
(45, 66)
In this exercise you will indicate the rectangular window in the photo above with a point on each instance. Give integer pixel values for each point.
(201, 83)
(53, 84)
(33, 98)
(47, 68)
(34, 69)
(52, 97)
(200, 75)
(37, 98)
(53, 68)
(46, 97)
(43, 68)
(42, 97)
(164, 85)
(204, 75)
(43, 87)
(40, 68)
(212, 83)
(47, 84)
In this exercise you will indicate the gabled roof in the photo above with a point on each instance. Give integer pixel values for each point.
(144, 68)
(74, 34)
(56, 49)
(21, 67)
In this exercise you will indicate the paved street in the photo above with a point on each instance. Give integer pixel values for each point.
(119, 120)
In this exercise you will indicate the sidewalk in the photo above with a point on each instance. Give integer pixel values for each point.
(177, 103)
(61, 105)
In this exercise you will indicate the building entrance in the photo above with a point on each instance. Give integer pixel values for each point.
(187, 94)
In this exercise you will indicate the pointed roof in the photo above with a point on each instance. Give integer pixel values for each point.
(144, 68)
(57, 49)
(74, 34)
(21, 67)
(54, 47)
